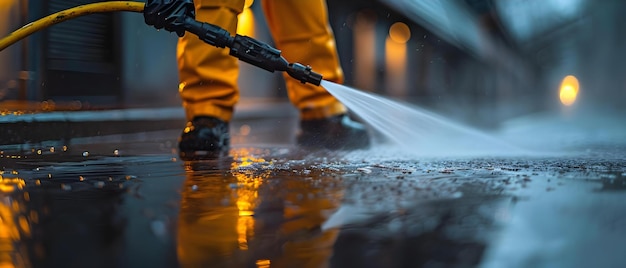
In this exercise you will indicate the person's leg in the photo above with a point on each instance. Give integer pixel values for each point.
(208, 75)
(208, 80)
(301, 30)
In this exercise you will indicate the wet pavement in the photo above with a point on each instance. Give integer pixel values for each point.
(127, 200)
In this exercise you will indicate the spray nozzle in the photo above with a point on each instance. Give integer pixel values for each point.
(304, 74)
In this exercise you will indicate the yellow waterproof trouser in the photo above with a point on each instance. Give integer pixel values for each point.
(208, 75)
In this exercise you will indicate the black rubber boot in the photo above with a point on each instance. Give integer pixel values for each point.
(204, 137)
(335, 133)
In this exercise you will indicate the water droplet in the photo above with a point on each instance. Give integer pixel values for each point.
(194, 187)
(39, 151)
(244, 130)
(364, 170)
(66, 187)
(85, 153)
(52, 149)
(116, 152)
(130, 177)
(158, 228)
(81, 178)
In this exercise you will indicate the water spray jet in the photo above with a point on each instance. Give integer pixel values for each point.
(418, 131)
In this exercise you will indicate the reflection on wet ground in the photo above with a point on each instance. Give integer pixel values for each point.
(135, 204)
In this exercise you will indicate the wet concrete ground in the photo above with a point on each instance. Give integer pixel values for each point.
(128, 201)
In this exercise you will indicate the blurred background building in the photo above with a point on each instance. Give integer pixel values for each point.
(479, 61)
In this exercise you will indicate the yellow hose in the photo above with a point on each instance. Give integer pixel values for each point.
(68, 14)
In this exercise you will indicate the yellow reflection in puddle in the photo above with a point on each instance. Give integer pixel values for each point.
(263, 263)
(246, 191)
(217, 208)
(221, 225)
(12, 224)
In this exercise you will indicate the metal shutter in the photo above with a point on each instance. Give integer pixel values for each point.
(81, 57)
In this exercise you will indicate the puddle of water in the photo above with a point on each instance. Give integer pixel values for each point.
(258, 207)
(250, 209)
(283, 207)
(416, 130)
(562, 222)
(256, 210)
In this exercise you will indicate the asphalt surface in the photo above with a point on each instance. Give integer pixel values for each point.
(127, 200)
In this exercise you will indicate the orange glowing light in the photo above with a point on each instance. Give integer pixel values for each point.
(365, 60)
(399, 32)
(5, 5)
(244, 130)
(569, 90)
(263, 263)
(395, 63)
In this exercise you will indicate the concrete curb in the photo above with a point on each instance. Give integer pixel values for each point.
(62, 125)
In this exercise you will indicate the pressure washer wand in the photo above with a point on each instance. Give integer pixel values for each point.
(252, 51)
(245, 48)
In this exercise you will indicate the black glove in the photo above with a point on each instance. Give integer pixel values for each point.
(169, 14)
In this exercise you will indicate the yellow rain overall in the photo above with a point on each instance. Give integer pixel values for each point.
(208, 75)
